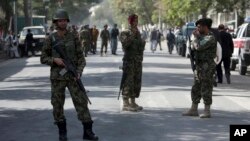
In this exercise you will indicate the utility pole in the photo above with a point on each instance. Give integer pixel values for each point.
(15, 17)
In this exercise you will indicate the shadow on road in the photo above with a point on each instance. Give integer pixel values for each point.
(151, 125)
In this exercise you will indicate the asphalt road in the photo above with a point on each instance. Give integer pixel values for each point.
(26, 112)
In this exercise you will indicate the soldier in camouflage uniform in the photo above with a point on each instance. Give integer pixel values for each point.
(204, 45)
(105, 36)
(59, 82)
(74, 30)
(85, 37)
(133, 47)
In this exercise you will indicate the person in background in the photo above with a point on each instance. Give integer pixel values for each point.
(95, 34)
(153, 39)
(114, 42)
(158, 36)
(227, 51)
(29, 42)
(105, 36)
(170, 41)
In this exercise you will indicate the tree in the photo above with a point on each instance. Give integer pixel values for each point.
(143, 8)
(239, 6)
(6, 8)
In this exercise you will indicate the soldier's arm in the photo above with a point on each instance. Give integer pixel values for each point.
(46, 57)
(204, 43)
(81, 62)
(126, 39)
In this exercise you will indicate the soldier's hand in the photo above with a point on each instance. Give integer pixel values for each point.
(196, 33)
(59, 61)
(78, 77)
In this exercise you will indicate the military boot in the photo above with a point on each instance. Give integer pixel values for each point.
(206, 113)
(126, 106)
(62, 130)
(193, 111)
(88, 133)
(134, 105)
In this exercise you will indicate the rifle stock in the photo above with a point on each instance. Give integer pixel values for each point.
(192, 59)
(70, 67)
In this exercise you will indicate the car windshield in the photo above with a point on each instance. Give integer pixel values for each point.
(34, 31)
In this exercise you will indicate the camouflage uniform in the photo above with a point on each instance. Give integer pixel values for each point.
(105, 38)
(205, 68)
(73, 49)
(133, 47)
(85, 37)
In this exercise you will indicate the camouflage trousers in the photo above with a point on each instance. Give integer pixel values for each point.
(132, 83)
(58, 98)
(203, 83)
(105, 46)
(86, 47)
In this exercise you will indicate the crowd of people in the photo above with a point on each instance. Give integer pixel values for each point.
(10, 45)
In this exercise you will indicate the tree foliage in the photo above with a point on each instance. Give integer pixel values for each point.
(143, 8)
(6, 13)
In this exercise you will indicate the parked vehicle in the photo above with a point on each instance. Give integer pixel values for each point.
(38, 35)
(183, 36)
(241, 54)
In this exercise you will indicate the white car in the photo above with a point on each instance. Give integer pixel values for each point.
(241, 54)
(38, 35)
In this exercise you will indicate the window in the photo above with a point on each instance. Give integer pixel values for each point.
(247, 31)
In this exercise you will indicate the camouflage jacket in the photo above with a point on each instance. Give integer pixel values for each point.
(72, 48)
(132, 44)
(85, 36)
(205, 46)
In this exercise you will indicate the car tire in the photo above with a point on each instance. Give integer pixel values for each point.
(242, 67)
(184, 50)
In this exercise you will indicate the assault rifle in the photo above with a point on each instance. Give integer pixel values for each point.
(124, 75)
(191, 55)
(70, 67)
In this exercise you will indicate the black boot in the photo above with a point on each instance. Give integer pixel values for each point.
(88, 132)
(62, 130)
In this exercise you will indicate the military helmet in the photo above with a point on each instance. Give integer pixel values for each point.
(61, 14)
